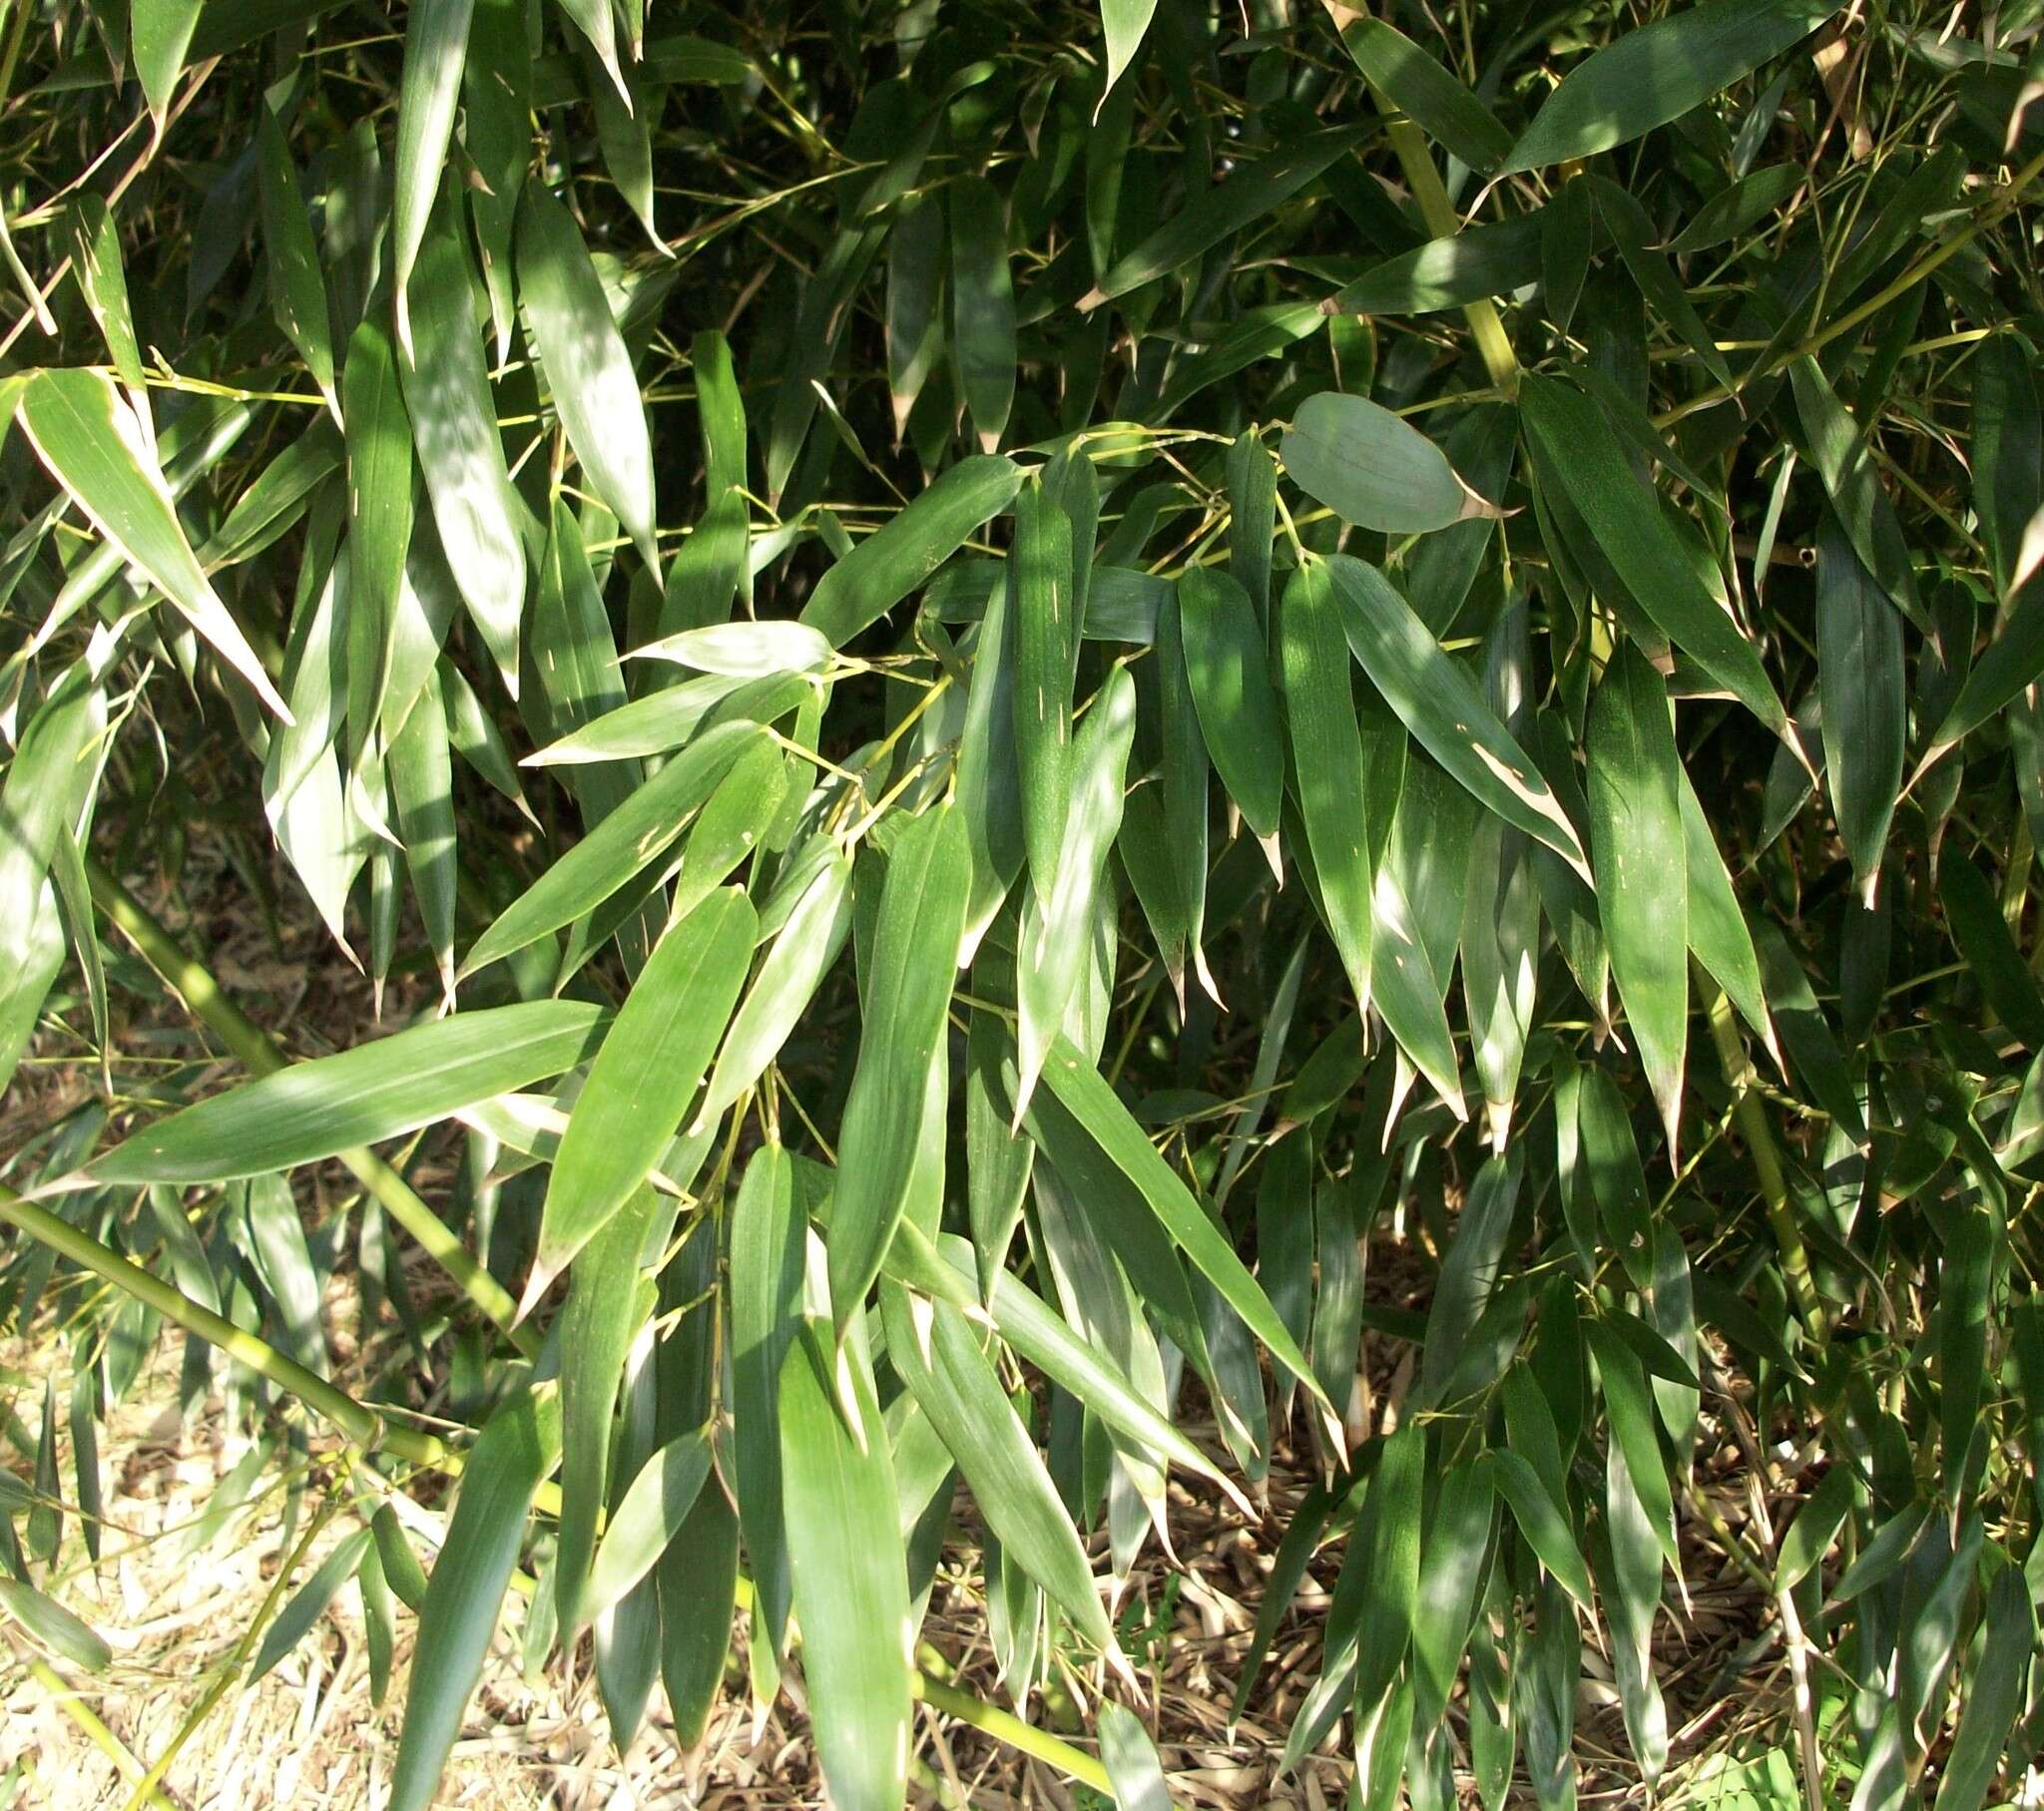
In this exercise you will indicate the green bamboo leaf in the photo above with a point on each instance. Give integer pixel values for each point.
(1817, 1525)
(1414, 82)
(1717, 932)
(1085, 1093)
(401, 1568)
(1249, 195)
(1658, 73)
(650, 1514)
(308, 1603)
(624, 844)
(297, 289)
(1374, 468)
(1618, 1179)
(381, 1090)
(1232, 691)
(1448, 272)
(1125, 22)
(1739, 209)
(1995, 1695)
(990, 782)
(849, 1572)
(96, 448)
(379, 516)
(454, 429)
(1982, 937)
(1540, 1520)
(1637, 847)
(1055, 934)
(161, 34)
(743, 651)
(894, 560)
(982, 307)
(1865, 708)
(643, 1076)
(1327, 754)
(422, 772)
(1451, 1568)
(435, 49)
(933, 1346)
(1046, 648)
(803, 953)
(1468, 1274)
(587, 370)
(516, 1449)
(1130, 1757)
(1813, 1054)
(103, 282)
(1439, 702)
(1631, 1408)
(52, 1626)
(610, 1298)
(768, 1257)
(697, 1587)
(914, 955)
(1578, 454)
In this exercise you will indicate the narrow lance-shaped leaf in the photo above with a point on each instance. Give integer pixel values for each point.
(454, 428)
(914, 957)
(1437, 699)
(1326, 754)
(435, 48)
(1055, 941)
(1087, 1097)
(514, 1452)
(1866, 713)
(1232, 691)
(1249, 195)
(769, 1234)
(626, 841)
(650, 1513)
(96, 449)
(1658, 73)
(1578, 453)
(652, 1061)
(850, 1573)
(379, 518)
(381, 1090)
(1637, 852)
(892, 562)
(951, 1378)
(297, 289)
(588, 372)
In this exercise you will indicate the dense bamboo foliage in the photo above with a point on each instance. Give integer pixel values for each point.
(980, 688)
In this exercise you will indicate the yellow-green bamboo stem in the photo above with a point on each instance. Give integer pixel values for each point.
(94, 1730)
(1751, 1118)
(194, 982)
(357, 1421)
(1488, 330)
(1004, 1726)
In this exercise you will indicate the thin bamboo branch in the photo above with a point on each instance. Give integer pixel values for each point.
(194, 983)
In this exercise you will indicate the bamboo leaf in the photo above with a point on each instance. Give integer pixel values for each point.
(1658, 73)
(1636, 846)
(96, 448)
(850, 1573)
(588, 372)
(643, 1076)
(914, 958)
(515, 1450)
(376, 1091)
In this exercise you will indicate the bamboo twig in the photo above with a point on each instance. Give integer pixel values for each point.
(194, 983)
